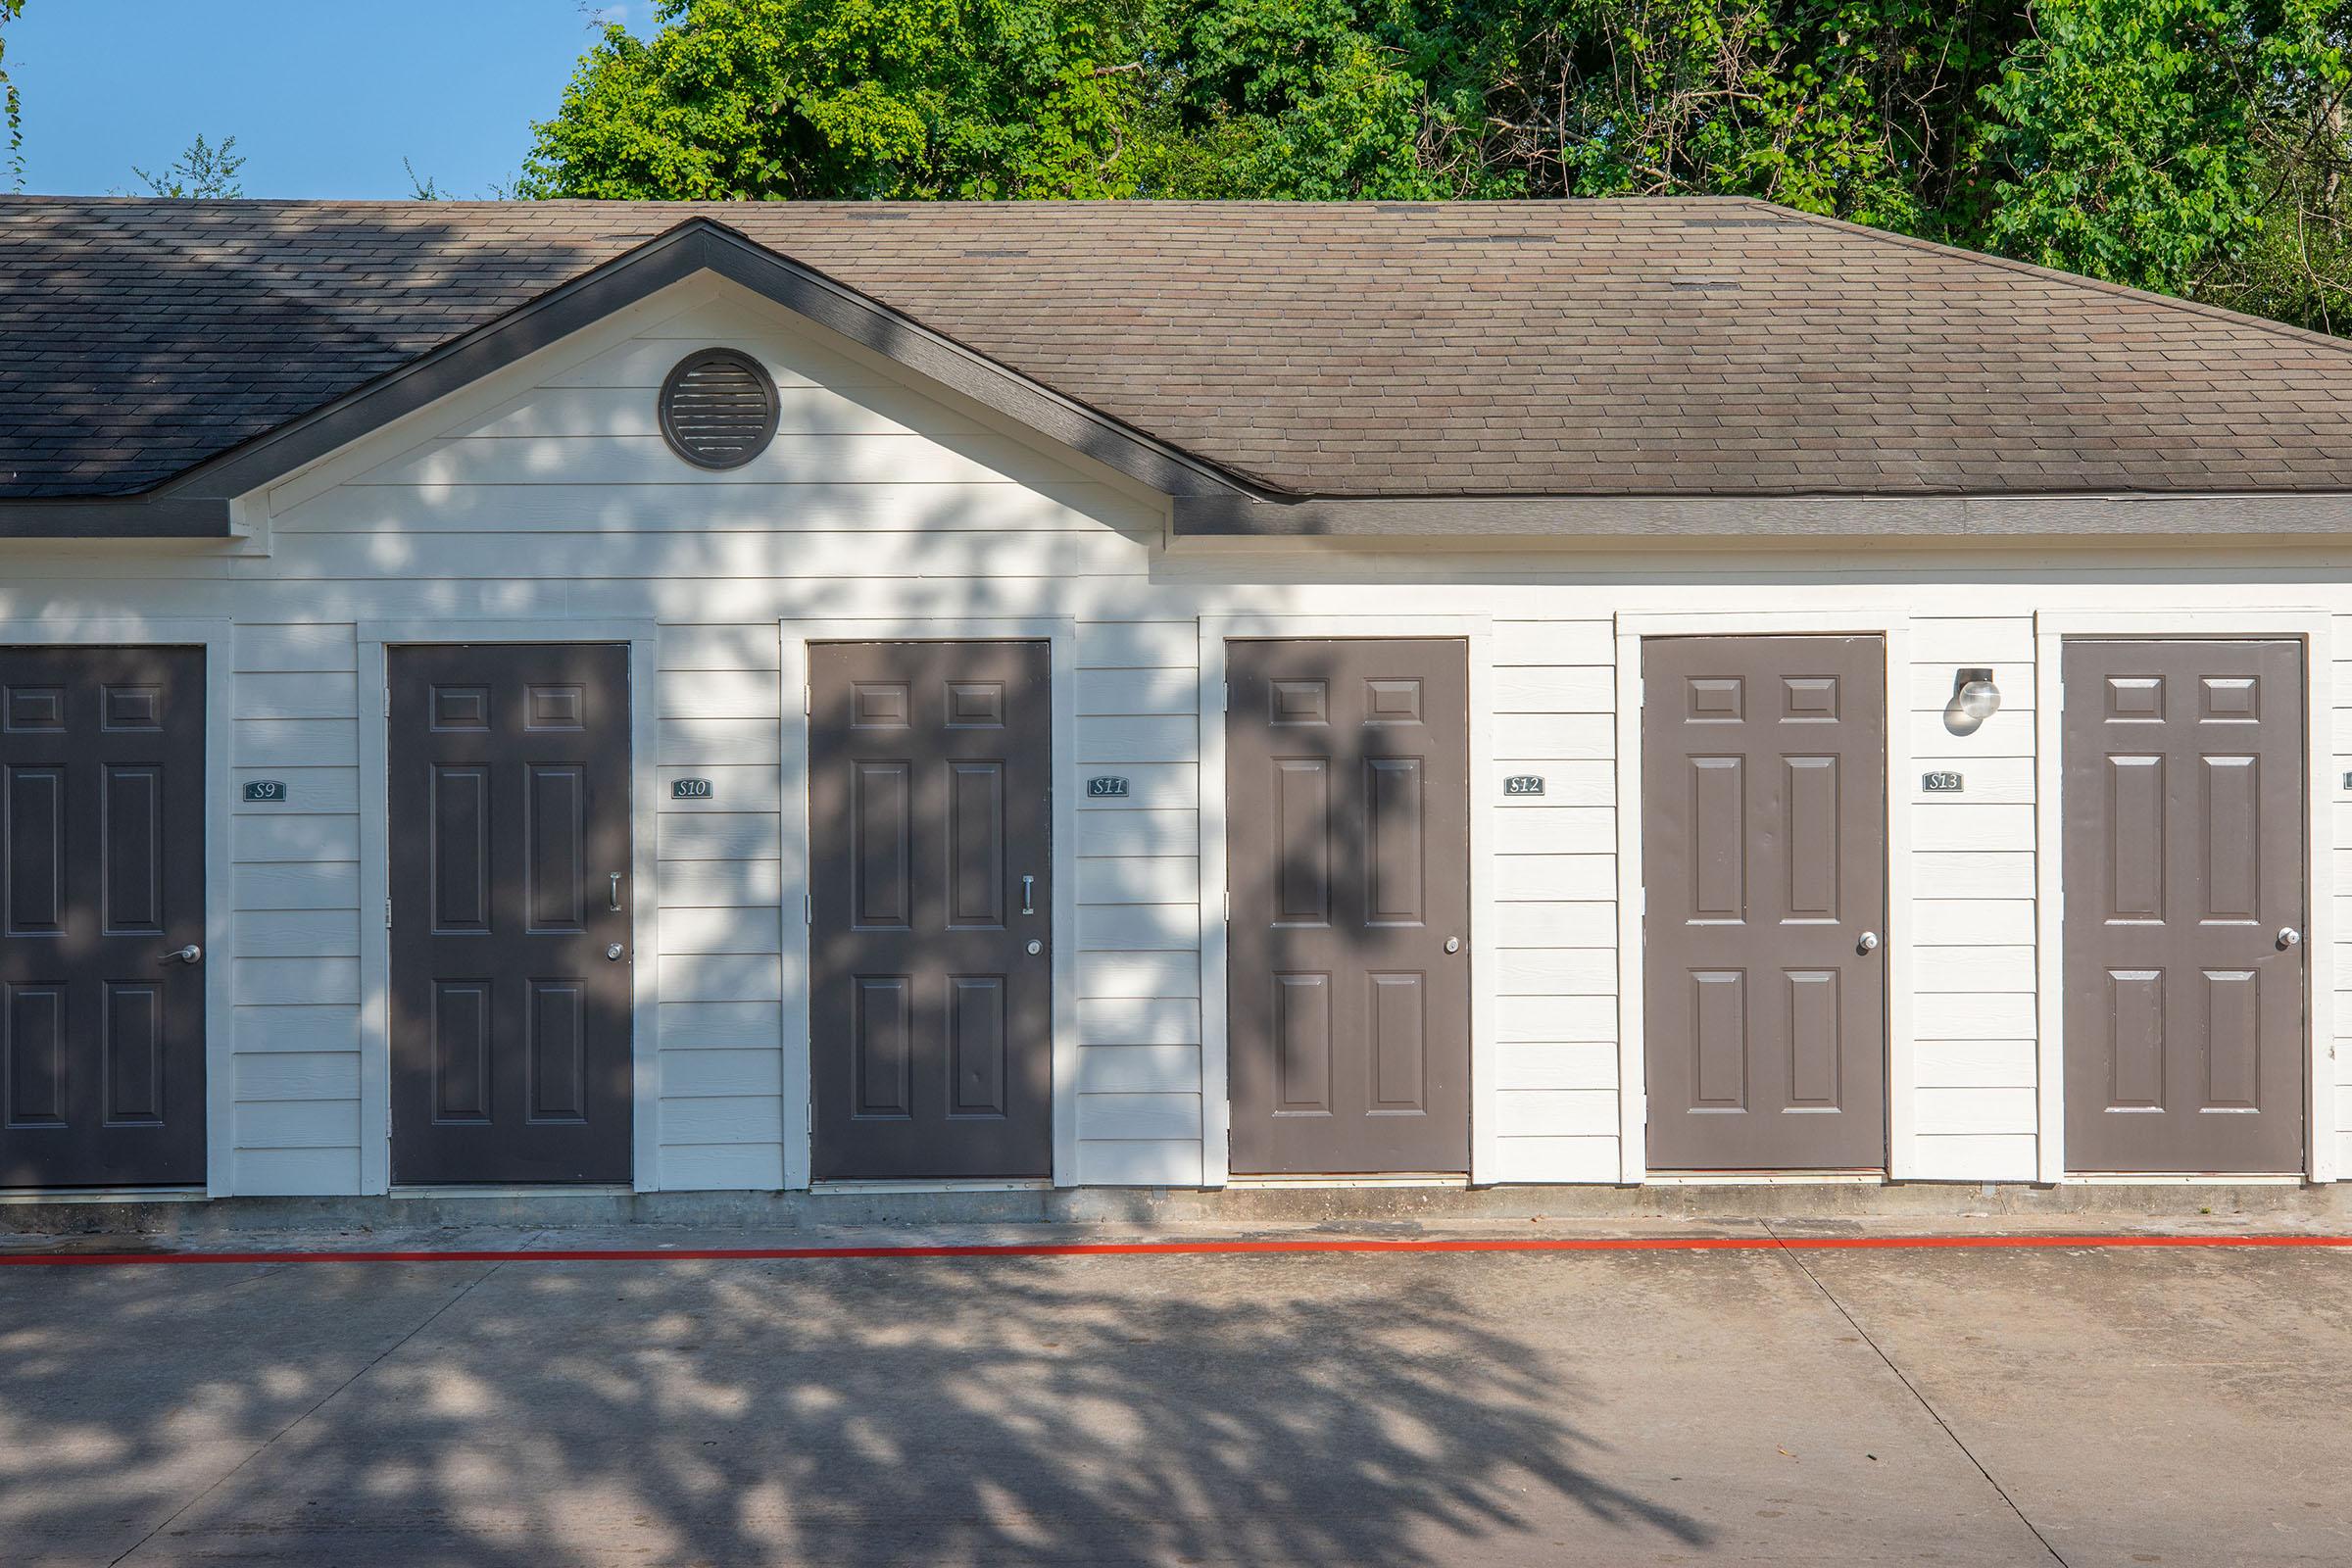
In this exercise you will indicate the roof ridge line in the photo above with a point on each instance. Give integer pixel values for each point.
(681, 204)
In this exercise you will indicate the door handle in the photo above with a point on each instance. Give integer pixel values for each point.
(1868, 944)
(1028, 894)
(191, 953)
(2289, 937)
(617, 890)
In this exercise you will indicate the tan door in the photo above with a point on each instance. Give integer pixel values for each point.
(1348, 813)
(2185, 905)
(102, 803)
(931, 967)
(1764, 871)
(508, 798)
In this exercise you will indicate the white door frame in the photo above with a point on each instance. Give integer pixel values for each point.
(2313, 627)
(1893, 628)
(375, 638)
(1061, 634)
(1475, 631)
(216, 638)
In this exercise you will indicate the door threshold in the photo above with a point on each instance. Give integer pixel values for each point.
(947, 1184)
(1765, 1178)
(104, 1194)
(512, 1190)
(2175, 1178)
(1400, 1179)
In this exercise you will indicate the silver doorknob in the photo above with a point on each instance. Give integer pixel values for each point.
(612, 950)
(1453, 944)
(1869, 943)
(1036, 947)
(2288, 936)
(190, 953)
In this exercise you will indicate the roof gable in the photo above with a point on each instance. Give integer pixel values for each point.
(195, 500)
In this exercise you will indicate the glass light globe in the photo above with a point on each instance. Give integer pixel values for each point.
(1975, 699)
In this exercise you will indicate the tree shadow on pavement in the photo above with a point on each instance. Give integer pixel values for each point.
(1168, 1410)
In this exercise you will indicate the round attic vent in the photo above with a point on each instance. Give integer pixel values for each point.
(718, 409)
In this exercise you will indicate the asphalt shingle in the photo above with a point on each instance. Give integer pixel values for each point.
(1674, 347)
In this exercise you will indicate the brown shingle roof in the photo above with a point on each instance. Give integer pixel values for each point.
(1678, 348)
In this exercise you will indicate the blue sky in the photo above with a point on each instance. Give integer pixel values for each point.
(324, 96)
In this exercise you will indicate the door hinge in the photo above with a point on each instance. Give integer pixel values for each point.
(387, 701)
(808, 910)
(1228, 906)
(808, 698)
(1225, 698)
(387, 914)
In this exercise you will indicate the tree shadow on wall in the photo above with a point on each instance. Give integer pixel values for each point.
(1295, 1411)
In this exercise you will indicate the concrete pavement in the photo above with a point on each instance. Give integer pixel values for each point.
(1767, 1406)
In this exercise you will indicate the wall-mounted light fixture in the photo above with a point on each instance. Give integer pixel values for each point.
(1975, 699)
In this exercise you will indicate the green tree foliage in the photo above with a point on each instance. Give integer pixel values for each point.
(12, 108)
(2297, 266)
(2196, 146)
(2119, 139)
(204, 172)
(738, 99)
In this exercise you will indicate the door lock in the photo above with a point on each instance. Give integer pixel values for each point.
(2289, 937)
(617, 890)
(1028, 894)
(1868, 944)
(187, 954)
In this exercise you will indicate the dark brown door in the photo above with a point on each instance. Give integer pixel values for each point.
(1348, 822)
(931, 1010)
(510, 925)
(2185, 905)
(100, 955)
(1764, 879)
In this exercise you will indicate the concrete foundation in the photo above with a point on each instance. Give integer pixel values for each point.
(196, 1217)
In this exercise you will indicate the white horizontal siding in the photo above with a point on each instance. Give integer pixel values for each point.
(721, 977)
(722, 864)
(1973, 1102)
(1139, 877)
(294, 1076)
(1554, 877)
(721, 1025)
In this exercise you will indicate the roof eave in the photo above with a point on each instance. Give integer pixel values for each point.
(147, 517)
(1635, 518)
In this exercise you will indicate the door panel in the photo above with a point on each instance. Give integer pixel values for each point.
(1764, 862)
(930, 799)
(510, 1025)
(102, 803)
(2183, 858)
(1348, 809)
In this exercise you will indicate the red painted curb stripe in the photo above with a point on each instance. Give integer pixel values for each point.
(1656, 1243)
